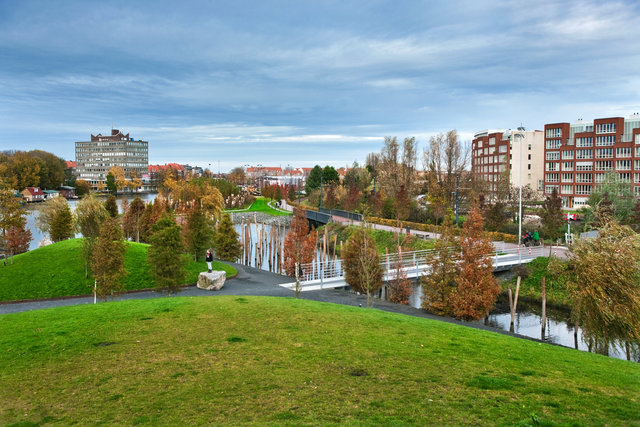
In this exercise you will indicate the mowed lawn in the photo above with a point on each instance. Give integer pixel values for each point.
(281, 361)
(260, 205)
(58, 270)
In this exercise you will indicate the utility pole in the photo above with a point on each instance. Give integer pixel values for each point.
(521, 135)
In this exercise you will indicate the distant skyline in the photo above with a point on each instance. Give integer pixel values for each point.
(282, 83)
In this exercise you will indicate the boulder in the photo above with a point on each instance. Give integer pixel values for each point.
(213, 281)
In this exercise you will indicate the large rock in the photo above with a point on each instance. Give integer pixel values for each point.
(213, 281)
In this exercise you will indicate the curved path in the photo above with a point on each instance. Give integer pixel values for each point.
(255, 282)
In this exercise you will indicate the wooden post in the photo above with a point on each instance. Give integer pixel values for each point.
(510, 307)
(514, 307)
(544, 308)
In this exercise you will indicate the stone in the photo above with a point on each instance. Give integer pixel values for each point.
(213, 281)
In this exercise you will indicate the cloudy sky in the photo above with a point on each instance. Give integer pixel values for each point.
(306, 82)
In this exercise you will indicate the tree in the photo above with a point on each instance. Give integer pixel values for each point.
(314, 180)
(477, 287)
(330, 175)
(11, 213)
(361, 262)
(634, 219)
(18, 238)
(352, 201)
(107, 260)
(55, 219)
(226, 244)
(90, 214)
(400, 285)
(82, 187)
(552, 216)
(24, 170)
(605, 286)
(299, 243)
(112, 187)
(119, 179)
(199, 233)
(111, 206)
(619, 192)
(165, 255)
(51, 169)
(237, 175)
(135, 182)
(495, 216)
(291, 193)
(439, 280)
(131, 219)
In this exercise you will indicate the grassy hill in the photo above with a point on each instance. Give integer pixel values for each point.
(237, 360)
(58, 270)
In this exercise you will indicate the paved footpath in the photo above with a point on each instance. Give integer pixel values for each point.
(256, 282)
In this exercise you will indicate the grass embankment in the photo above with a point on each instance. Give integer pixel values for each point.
(260, 205)
(58, 270)
(237, 360)
(385, 240)
(531, 287)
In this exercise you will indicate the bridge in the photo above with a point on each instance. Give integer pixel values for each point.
(330, 274)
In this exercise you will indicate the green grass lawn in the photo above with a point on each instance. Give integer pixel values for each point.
(531, 287)
(281, 361)
(385, 240)
(58, 270)
(260, 205)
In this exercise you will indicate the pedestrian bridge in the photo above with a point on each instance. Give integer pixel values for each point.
(330, 274)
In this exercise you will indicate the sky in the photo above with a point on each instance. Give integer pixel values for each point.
(300, 83)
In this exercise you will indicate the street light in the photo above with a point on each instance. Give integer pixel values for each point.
(521, 135)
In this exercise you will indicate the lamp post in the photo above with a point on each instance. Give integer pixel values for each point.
(521, 135)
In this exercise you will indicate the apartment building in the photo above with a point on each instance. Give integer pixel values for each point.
(512, 154)
(578, 156)
(96, 157)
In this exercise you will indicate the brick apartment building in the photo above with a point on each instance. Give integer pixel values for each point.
(496, 152)
(577, 156)
(94, 158)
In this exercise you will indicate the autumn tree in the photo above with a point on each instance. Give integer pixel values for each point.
(226, 244)
(131, 219)
(111, 206)
(135, 182)
(361, 262)
(55, 219)
(477, 287)
(165, 255)
(18, 238)
(11, 213)
(237, 175)
(439, 279)
(291, 193)
(51, 167)
(495, 216)
(107, 260)
(605, 286)
(299, 243)
(552, 216)
(400, 286)
(82, 187)
(199, 233)
(119, 179)
(90, 214)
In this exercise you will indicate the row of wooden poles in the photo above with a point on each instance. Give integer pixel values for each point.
(513, 304)
(265, 249)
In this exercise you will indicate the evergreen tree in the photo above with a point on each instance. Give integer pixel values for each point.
(552, 216)
(314, 180)
(107, 260)
(199, 234)
(111, 206)
(477, 287)
(112, 187)
(330, 175)
(165, 255)
(291, 193)
(226, 244)
(62, 225)
(361, 262)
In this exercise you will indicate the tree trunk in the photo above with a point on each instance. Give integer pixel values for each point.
(544, 307)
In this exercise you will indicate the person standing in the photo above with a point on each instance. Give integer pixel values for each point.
(209, 259)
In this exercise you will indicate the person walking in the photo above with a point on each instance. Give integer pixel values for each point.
(209, 259)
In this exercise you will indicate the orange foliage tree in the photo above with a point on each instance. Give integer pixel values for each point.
(400, 285)
(477, 287)
(300, 244)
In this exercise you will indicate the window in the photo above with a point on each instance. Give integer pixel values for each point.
(606, 128)
(599, 178)
(553, 144)
(492, 141)
(584, 154)
(604, 153)
(637, 138)
(567, 154)
(529, 166)
(623, 152)
(567, 166)
(623, 165)
(554, 133)
(551, 177)
(636, 164)
(567, 177)
(552, 166)
(583, 190)
(636, 178)
(552, 155)
(502, 149)
(605, 141)
(584, 142)
(530, 146)
(625, 177)
(584, 177)
(566, 189)
(529, 156)
(548, 189)
(605, 165)
(540, 184)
